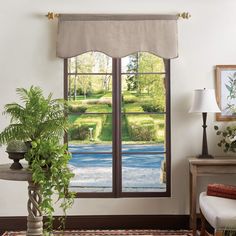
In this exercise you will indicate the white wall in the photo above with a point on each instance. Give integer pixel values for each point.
(27, 57)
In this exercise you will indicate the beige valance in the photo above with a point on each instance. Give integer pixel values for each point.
(117, 35)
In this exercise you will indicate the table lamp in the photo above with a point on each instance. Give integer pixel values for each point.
(204, 101)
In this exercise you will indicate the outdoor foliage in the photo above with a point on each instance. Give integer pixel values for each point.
(150, 107)
(127, 97)
(84, 84)
(140, 127)
(76, 108)
(140, 93)
(79, 129)
(147, 84)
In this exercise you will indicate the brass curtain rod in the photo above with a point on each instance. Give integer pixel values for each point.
(52, 15)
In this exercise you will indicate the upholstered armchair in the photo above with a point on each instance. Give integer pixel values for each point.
(219, 212)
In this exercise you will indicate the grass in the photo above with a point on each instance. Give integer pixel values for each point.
(91, 96)
(132, 107)
(107, 95)
(99, 108)
(106, 133)
(125, 134)
(72, 118)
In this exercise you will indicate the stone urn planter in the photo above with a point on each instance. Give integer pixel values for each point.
(16, 151)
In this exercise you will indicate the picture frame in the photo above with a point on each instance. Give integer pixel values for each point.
(226, 92)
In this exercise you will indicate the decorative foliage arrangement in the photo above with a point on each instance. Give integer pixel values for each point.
(48, 162)
(40, 122)
(228, 138)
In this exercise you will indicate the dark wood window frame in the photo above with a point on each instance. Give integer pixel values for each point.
(116, 142)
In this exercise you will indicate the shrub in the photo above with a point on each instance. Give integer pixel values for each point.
(81, 132)
(77, 108)
(104, 100)
(142, 133)
(151, 107)
(132, 107)
(129, 98)
(141, 128)
(80, 128)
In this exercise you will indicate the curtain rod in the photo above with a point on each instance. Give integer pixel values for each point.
(52, 15)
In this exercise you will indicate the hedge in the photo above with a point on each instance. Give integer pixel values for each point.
(150, 107)
(80, 128)
(77, 108)
(127, 97)
(140, 127)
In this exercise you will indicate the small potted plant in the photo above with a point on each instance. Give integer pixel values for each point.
(40, 122)
(16, 150)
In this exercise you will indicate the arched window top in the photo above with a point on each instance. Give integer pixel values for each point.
(98, 62)
(144, 62)
(90, 62)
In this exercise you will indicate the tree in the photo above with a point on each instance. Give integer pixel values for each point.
(85, 64)
(104, 66)
(149, 84)
(133, 67)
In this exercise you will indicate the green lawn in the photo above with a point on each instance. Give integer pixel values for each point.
(106, 133)
(81, 97)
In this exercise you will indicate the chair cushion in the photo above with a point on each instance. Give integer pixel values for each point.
(219, 212)
(221, 190)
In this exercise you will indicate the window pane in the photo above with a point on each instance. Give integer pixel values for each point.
(143, 93)
(90, 93)
(143, 173)
(90, 62)
(91, 132)
(143, 133)
(142, 62)
(93, 172)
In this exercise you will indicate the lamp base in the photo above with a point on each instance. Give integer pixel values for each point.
(202, 156)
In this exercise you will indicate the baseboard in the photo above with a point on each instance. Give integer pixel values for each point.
(107, 222)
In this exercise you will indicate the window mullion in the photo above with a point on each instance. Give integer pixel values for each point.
(116, 110)
(168, 127)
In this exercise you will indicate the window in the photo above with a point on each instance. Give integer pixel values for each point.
(119, 137)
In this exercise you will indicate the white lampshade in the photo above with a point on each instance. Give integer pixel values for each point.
(204, 100)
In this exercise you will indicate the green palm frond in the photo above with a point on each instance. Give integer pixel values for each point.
(16, 111)
(38, 116)
(13, 132)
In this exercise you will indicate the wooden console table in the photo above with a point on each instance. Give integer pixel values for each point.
(206, 167)
(35, 218)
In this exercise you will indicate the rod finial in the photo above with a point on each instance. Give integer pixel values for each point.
(184, 15)
(52, 15)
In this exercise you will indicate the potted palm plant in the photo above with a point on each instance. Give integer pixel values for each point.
(40, 122)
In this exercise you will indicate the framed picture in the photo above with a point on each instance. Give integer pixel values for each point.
(226, 92)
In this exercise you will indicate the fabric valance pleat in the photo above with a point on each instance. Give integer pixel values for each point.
(117, 35)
